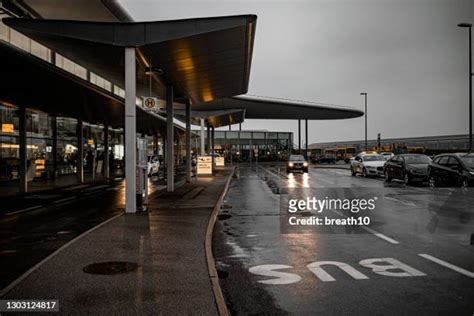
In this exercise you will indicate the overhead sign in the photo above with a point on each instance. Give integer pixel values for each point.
(204, 165)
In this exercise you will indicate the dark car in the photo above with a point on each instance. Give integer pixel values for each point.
(407, 167)
(452, 170)
(328, 158)
(296, 162)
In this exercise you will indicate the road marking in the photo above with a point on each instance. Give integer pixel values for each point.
(380, 235)
(64, 200)
(327, 181)
(280, 278)
(372, 231)
(76, 187)
(315, 267)
(400, 201)
(25, 210)
(96, 188)
(393, 265)
(447, 265)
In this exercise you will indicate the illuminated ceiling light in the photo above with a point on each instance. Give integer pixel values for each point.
(154, 70)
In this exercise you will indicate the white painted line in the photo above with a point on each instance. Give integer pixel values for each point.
(400, 201)
(372, 231)
(7, 289)
(76, 187)
(25, 210)
(447, 265)
(64, 200)
(327, 181)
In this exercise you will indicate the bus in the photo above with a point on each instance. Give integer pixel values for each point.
(345, 153)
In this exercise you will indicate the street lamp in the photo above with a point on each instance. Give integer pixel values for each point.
(469, 26)
(365, 115)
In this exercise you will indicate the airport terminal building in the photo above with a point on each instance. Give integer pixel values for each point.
(75, 80)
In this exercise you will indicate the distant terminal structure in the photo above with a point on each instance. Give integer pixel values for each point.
(429, 145)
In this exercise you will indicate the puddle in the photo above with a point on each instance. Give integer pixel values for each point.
(222, 274)
(223, 217)
(110, 268)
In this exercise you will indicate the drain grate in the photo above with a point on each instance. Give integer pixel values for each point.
(110, 268)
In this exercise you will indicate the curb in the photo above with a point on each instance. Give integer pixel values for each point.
(211, 266)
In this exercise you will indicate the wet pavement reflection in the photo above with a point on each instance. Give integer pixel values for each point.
(267, 270)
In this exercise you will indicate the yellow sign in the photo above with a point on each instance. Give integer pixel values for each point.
(39, 164)
(149, 103)
(8, 128)
(90, 142)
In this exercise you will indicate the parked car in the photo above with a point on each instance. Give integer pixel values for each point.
(368, 165)
(328, 158)
(387, 155)
(407, 167)
(153, 165)
(452, 170)
(297, 162)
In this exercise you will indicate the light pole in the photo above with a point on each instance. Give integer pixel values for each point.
(469, 26)
(365, 115)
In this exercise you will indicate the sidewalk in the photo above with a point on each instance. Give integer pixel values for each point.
(167, 244)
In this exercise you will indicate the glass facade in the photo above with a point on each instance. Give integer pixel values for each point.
(40, 149)
(270, 146)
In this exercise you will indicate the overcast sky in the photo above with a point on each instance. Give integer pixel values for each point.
(408, 55)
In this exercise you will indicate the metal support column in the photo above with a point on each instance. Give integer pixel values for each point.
(106, 153)
(80, 152)
(188, 142)
(240, 146)
(23, 163)
(169, 140)
(212, 148)
(299, 137)
(54, 146)
(208, 139)
(306, 138)
(130, 131)
(203, 150)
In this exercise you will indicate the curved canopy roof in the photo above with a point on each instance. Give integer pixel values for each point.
(256, 107)
(205, 59)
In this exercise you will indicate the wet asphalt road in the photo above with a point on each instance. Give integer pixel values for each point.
(424, 235)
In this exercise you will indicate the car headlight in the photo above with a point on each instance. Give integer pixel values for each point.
(305, 164)
(290, 164)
